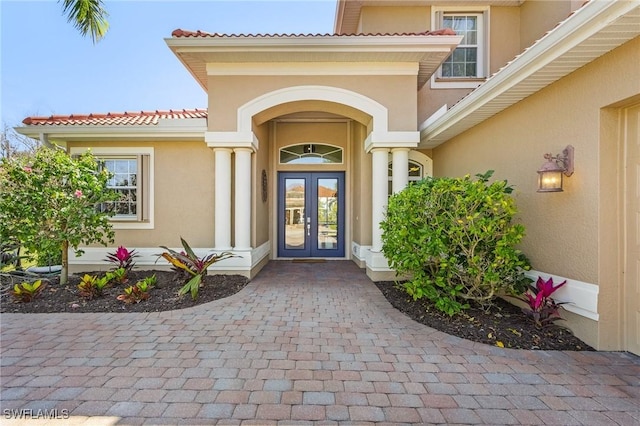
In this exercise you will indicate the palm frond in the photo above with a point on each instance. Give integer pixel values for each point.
(87, 16)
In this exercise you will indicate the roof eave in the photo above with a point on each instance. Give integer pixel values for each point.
(118, 132)
(584, 24)
(194, 52)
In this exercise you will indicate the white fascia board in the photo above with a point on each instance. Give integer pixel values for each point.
(313, 68)
(112, 132)
(325, 43)
(584, 23)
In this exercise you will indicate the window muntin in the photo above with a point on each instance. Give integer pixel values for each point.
(311, 153)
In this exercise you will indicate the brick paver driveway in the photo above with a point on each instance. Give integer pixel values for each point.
(302, 343)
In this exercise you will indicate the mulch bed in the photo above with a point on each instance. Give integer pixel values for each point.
(163, 297)
(505, 323)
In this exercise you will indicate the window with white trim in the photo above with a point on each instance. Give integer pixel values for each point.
(127, 179)
(468, 62)
(311, 153)
(131, 176)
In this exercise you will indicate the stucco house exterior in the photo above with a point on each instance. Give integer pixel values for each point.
(305, 136)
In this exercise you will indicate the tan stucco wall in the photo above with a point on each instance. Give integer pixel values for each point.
(539, 16)
(261, 209)
(564, 230)
(332, 133)
(183, 180)
(390, 20)
(360, 189)
(227, 94)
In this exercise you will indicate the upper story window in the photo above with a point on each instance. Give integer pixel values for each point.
(466, 67)
(464, 60)
(311, 153)
(131, 177)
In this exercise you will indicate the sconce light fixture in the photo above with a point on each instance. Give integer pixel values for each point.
(550, 173)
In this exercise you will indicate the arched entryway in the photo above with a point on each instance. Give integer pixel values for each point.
(329, 207)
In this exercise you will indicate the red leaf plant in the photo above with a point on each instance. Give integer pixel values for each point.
(541, 306)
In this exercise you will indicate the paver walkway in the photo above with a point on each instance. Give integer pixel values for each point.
(302, 343)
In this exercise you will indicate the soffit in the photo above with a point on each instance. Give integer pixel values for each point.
(592, 31)
(348, 11)
(197, 49)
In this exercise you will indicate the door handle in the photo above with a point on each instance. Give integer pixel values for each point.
(308, 226)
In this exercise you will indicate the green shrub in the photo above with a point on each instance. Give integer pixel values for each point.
(48, 204)
(455, 239)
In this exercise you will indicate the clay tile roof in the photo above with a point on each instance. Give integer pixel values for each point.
(179, 33)
(115, 118)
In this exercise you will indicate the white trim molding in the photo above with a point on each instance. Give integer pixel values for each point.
(581, 298)
(389, 139)
(246, 260)
(316, 93)
(231, 140)
(313, 68)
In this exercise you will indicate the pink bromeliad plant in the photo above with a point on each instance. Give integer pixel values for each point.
(122, 258)
(541, 306)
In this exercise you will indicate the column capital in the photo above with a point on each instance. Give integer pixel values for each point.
(244, 149)
(400, 149)
(391, 139)
(221, 149)
(373, 150)
(231, 140)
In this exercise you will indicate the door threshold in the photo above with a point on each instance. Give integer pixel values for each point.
(309, 260)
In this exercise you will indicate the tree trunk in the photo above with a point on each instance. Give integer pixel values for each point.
(64, 273)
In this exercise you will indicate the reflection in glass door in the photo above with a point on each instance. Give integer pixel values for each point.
(311, 214)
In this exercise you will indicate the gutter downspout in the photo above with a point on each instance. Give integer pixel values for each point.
(44, 139)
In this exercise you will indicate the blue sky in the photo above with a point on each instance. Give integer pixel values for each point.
(47, 68)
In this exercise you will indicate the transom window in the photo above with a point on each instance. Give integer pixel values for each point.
(311, 153)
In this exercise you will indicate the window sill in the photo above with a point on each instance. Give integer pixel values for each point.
(125, 224)
(456, 83)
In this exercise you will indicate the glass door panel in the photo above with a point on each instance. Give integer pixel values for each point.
(294, 233)
(327, 194)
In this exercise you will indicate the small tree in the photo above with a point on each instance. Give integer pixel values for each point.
(48, 203)
(455, 238)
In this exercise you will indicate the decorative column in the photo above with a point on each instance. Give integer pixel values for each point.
(379, 189)
(222, 199)
(243, 198)
(400, 169)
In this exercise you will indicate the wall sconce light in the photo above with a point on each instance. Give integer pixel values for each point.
(550, 173)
